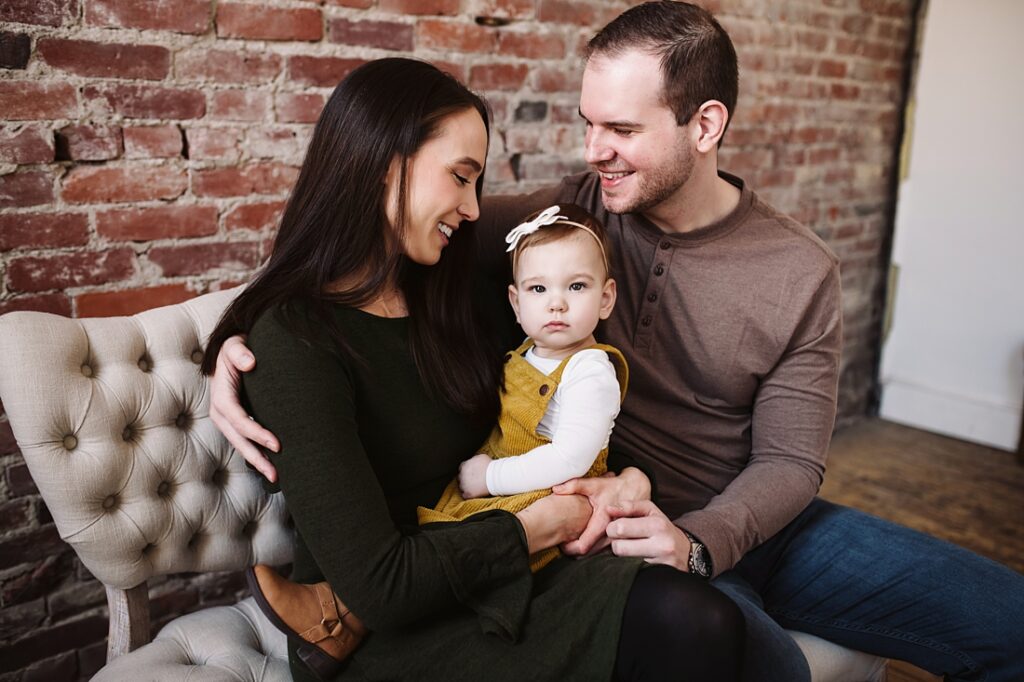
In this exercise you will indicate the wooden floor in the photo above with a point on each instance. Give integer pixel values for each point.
(968, 494)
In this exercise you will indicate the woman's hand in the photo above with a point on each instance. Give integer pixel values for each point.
(603, 492)
(473, 477)
(227, 413)
(554, 520)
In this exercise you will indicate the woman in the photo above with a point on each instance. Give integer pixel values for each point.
(375, 374)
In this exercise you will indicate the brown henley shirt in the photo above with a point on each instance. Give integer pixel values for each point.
(733, 334)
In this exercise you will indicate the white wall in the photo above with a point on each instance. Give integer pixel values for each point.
(954, 360)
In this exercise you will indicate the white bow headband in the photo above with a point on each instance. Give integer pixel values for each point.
(549, 216)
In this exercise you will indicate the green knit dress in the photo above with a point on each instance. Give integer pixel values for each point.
(362, 445)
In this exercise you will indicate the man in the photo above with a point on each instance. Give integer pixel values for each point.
(730, 316)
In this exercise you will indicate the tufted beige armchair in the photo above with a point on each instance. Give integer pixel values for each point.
(111, 417)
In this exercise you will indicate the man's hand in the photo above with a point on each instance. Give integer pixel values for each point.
(604, 492)
(227, 413)
(641, 529)
(473, 477)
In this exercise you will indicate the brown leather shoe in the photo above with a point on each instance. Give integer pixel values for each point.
(312, 616)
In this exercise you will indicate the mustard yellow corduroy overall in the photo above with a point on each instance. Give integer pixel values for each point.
(523, 404)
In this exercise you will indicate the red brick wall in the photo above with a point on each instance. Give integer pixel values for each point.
(146, 150)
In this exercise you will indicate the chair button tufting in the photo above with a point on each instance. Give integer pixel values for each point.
(86, 370)
(163, 489)
(110, 502)
(183, 420)
(70, 442)
(220, 477)
(145, 364)
(127, 434)
(249, 529)
(197, 356)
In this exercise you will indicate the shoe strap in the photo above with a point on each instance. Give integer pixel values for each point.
(330, 624)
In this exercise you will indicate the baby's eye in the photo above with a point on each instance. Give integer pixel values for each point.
(577, 286)
(538, 289)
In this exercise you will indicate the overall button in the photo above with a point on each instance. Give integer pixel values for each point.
(544, 389)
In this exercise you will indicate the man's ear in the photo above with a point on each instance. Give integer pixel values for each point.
(608, 294)
(513, 298)
(711, 117)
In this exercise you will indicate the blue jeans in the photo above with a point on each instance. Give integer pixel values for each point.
(875, 586)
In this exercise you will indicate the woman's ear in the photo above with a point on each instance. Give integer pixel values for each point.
(711, 117)
(608, 294)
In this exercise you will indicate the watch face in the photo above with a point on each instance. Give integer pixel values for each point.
(699, 560)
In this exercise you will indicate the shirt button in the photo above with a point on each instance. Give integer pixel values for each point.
(665, 246)
(647, 321)
(652, 297)
(659, 270)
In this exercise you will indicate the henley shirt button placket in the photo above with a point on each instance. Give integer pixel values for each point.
(655, 283)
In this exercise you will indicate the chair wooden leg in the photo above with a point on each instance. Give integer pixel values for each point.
(129, 620)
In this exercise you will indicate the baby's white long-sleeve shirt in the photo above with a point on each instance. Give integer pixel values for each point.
(578, 420)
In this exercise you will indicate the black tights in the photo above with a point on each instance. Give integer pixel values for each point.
(678, 627)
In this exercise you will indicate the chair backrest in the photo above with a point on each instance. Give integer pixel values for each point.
(111, 415)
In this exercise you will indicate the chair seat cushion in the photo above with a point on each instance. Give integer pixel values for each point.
(220, 643)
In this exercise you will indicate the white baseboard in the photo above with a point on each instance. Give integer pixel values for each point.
(969, 419)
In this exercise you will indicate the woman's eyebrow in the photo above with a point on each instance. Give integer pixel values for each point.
(471, 162)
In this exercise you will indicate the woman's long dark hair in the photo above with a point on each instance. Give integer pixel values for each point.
(334, 227)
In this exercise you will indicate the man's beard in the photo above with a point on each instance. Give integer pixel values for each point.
(657, 185)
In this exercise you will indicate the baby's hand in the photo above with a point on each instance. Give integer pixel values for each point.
(473, 477)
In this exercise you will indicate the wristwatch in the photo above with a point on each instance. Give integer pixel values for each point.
(699, 562)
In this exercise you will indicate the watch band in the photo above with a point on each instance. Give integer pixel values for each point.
(699, 562)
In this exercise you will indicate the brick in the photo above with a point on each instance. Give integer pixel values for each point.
(160, 222)
(146, 101)
(130, 302)
(277, 143)
(32, 100)
(152, 142)
(387, 35)
(15, 49)
(25, 189)
(39, 12)
(53, 640)
(444, 35)
(830, 68)
(357, 4)
(28, 144)
(531, 45)
(91, 659)
(531, 112)
(105, 60)
(257, 216)
(298, 107)
(29, 547)
(557, 80)
(227, 66)
(214, 143)
(14, 514)
(256, 178)
(421, 7)
(43, 230)
(60, 271)
(39, 579)
(199, 259)
(580, 12)
(75, 598)
(89, 143)
(268, 23)
(58, 304)
(16, 618)
(60, 667)
(845, 92)
(95, 185)
(506, 9)
(240, 105)
(325, 72)
(498, 76)
(180, 16)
